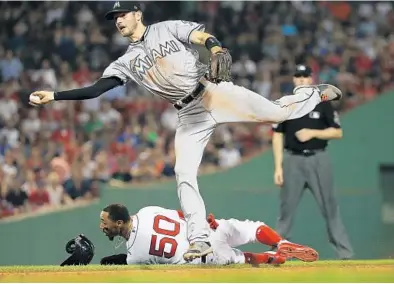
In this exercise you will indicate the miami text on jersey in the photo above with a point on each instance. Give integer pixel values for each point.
(139, 66)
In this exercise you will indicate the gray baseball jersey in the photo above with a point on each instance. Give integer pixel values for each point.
(164, 62)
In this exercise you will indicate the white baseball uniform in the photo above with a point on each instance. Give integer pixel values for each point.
(159, 236)
(164, 63)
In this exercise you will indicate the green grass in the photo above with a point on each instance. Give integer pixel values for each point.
(292, 271)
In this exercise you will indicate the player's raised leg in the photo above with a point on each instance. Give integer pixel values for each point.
(191, 137)
(239, 233)
(231, 103)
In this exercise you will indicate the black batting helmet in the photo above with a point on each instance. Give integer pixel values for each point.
(81, 250)
(122, 6)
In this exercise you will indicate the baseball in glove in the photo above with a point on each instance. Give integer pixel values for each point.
(219, 67)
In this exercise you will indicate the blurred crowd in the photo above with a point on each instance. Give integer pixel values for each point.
(61, 153)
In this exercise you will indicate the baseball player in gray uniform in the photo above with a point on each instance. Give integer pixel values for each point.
(161, 59)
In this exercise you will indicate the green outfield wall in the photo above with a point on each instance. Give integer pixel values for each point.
(245, 192)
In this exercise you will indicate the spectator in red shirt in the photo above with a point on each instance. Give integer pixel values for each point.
(362, 63)
(39, 196)
(63, 134)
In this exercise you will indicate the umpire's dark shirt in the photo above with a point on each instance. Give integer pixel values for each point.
(322, 117)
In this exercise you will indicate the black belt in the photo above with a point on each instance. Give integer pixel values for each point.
(305, 153)
(189, 98)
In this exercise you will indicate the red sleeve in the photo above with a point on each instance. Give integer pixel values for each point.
(46, 197)
(33, 197)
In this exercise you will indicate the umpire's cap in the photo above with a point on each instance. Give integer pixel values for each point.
(122, 6)
(303, 71)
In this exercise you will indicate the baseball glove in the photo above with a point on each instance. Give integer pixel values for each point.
(219, 67)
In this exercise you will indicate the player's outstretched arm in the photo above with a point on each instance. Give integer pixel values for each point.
(93, 91)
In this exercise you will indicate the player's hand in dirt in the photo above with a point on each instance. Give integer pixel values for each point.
(278, 177)
(41, 97)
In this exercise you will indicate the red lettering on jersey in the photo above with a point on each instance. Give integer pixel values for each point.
(172, 233)
(160, 251)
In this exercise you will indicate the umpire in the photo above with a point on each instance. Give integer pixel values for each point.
(301, 161)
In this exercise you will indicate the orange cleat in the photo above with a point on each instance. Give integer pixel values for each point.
(292, 250)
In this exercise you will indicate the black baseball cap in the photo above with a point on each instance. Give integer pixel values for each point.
(122, 7)
(303, 71)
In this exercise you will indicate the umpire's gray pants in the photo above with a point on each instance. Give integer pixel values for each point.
(315, 171)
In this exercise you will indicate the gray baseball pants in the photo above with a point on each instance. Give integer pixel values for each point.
(316, 172)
